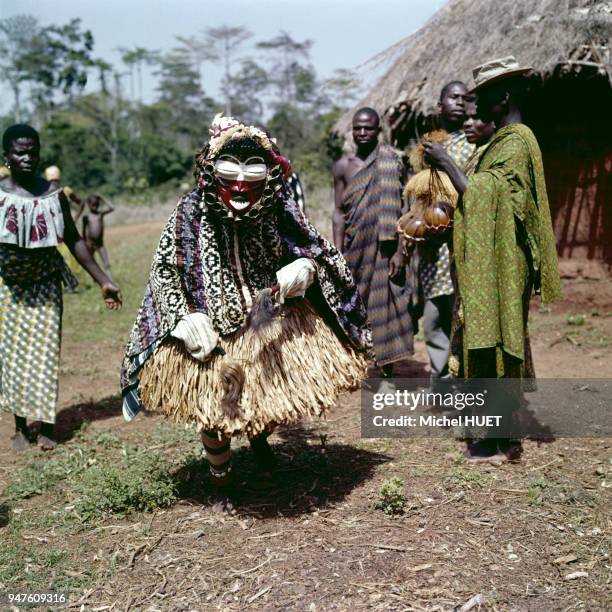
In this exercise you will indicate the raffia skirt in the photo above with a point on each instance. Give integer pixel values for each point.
(293, 368)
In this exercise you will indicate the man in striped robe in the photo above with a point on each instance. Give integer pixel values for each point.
(368, 205)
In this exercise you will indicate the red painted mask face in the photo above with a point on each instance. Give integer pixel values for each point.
(240, 184)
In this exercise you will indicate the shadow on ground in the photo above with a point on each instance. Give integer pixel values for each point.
(311, 474)
(408, 368)
(72, 418)
(5, 515)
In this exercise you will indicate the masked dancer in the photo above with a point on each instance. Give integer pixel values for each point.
(201, 351)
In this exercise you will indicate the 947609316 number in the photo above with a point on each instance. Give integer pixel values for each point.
(28, 598)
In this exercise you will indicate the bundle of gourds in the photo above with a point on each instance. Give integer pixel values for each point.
(432, 198)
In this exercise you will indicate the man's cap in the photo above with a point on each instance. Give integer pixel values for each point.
(52, 173)
(496, 70)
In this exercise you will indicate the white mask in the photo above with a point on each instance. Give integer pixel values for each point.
(230, 169)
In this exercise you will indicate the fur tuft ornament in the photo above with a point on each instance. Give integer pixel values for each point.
(264, 310)
(232, 382)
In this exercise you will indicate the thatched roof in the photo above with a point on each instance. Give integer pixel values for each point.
(543, 34)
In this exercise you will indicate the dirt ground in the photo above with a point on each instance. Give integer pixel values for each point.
(528, 536)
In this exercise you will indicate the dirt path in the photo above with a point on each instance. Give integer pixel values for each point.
(531, 536)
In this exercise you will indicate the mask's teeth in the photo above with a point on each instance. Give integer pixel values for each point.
(239, 204)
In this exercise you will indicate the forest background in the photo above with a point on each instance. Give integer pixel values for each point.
(96, 127)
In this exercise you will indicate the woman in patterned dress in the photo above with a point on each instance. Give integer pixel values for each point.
(34, 219)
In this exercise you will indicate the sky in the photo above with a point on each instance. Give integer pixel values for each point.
(345, 33)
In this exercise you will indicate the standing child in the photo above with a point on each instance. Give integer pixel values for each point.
(93, 228)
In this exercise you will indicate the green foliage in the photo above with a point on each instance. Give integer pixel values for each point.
(223, 42)
(104, 477)
(36, 565)
(49, 59)
(107, 440)
(313, 154)
(248, 87)
(391, 499)
(290, 72)
(141, 482)
(534, 496)
(40, 476)
(576, 319)
(342, 89)
(470, 479)
(156, 159)
(76, 151)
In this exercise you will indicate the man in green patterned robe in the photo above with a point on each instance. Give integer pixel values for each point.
(503, 240)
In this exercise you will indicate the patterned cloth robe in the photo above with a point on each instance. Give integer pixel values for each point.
(504, 246)
(372, 205)
(434, 268)
(205, 263)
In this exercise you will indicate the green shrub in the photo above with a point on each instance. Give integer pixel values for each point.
(470, 479)
(141, 482)
(391, 499)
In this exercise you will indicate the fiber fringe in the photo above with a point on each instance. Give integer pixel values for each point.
(293, 368)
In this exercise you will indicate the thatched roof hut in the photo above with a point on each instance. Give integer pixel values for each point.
(568, 43)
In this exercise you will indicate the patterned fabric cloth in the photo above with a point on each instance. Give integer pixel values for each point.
(434, 266)
(455, 359)
(206, 263)
(30, 331)
(504, 245)
(372, 206)
(297, 190)
(31, 222)
(470, 165)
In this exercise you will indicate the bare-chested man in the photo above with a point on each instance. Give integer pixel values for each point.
(93, 229)
(368, 204)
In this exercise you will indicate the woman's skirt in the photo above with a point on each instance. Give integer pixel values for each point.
(295, 367)
(30, 335)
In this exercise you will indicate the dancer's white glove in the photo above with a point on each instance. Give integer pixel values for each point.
(294, 278)
(198, 334)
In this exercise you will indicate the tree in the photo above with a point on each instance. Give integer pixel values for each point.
(294, 80)
(105, 113)
(70, 144)
(182, 108)
(16, 34)
(134, 59)
(52, 60)
(225, 40)
(248, 86)
(200, 51)
(66, 57)
(342, 89)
